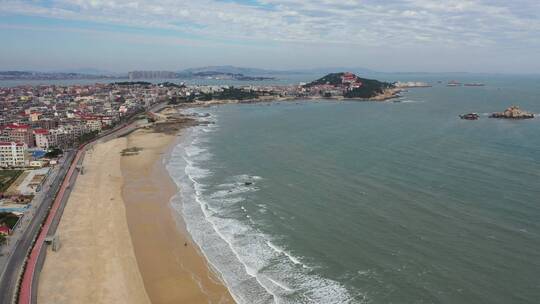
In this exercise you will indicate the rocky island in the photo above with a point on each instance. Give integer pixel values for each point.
(513, 112)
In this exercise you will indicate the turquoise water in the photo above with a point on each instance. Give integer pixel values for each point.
(360, 202)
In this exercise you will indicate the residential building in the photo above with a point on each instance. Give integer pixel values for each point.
(44, 139)
(16, 132)
(13, 154)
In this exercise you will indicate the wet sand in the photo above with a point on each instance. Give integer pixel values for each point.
(171, 265)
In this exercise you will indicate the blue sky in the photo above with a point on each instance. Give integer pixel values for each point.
(387, 35)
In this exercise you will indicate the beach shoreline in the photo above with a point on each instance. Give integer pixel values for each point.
(122, 241)
(173, 268)
(386, 95)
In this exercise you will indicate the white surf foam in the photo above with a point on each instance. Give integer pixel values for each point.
(411, 101)
(254, 268)
(279, 250)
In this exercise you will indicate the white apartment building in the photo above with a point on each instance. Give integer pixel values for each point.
(94, 125)
(57, 138)
(13, 154)
(44, 139)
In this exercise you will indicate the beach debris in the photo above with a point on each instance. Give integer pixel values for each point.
(131, 151)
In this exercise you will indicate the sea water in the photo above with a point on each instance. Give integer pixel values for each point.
(369, 202)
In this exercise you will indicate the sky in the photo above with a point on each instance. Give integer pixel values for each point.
(489, 36)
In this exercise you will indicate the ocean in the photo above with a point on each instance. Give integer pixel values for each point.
(369, 202)
(278, 80)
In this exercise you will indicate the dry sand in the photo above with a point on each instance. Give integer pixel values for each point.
(121, 242)
(96, 262)
(172, 272)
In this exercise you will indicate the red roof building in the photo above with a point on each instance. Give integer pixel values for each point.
(5, 230)
(18, 133)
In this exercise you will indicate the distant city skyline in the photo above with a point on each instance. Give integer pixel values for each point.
(390, 36)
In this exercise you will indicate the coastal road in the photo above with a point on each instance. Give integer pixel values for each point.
(28, 252)
(30, 277)
(17, 256)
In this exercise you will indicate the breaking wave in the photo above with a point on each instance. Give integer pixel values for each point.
(251, 264)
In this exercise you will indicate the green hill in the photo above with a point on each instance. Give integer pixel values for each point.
(331, 79)
(365, 88)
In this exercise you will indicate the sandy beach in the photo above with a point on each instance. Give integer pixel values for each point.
(96, 262)
(172, 268)
(121, 242)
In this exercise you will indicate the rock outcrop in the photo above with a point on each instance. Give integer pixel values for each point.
(470, 116)
(514, 112)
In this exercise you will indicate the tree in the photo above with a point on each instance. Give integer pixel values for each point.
(88, 136)
(53, 153)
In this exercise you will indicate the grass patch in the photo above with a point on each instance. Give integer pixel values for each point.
(7, 177)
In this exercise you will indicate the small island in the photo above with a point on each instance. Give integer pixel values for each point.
(513, 112)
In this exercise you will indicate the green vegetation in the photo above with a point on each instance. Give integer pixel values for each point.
(178, 100)
(88, 136)
(54, 153)
(231, 93)
(127, 83)
(171, 85)
(7, 177)
(369, 88)
(3, 239)
(9, 219)
(205, 97)
(331, 79)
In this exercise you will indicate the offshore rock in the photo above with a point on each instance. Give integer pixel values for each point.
(512, 113)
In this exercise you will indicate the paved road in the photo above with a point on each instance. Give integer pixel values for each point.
(27, 231)
(25, 243)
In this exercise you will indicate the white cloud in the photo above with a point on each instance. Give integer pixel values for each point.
(358, 22)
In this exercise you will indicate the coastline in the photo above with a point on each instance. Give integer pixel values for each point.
(387, 95)
(121, 240)
(171, 264)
